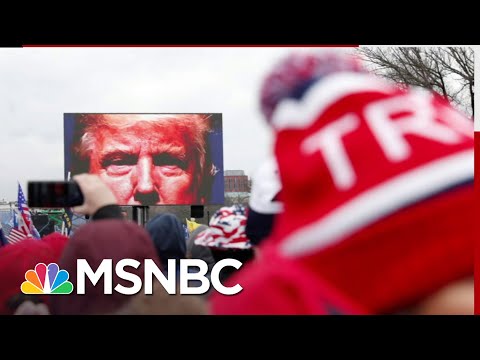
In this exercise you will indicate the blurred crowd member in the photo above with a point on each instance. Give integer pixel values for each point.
(15, 260)
(168, 237)
(264, 203)
(147, 159)
(377, 188)
(95, 241)
(226, 238)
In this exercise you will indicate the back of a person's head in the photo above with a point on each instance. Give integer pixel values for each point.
(377, 181)
(96, 241)
(168, 237)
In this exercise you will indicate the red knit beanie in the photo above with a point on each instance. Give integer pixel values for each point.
(377, 188)
(16, 259)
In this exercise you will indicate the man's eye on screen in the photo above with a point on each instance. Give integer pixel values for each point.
(170, 161)
(119, 164)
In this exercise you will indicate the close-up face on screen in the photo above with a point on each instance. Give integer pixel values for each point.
(149, 159)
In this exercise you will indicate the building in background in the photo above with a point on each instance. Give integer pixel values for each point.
(236, 181)
(237, 187)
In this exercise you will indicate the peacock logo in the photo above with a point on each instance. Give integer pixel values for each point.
(47, 280)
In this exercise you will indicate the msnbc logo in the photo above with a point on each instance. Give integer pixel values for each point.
(46, 280)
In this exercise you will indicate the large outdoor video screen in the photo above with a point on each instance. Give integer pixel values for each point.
(149, 159)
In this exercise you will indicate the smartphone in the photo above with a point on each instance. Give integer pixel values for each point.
(54, 194)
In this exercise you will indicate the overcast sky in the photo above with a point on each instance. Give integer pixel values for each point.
(38, 85)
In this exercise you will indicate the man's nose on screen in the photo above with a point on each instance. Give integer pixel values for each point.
(145, 191)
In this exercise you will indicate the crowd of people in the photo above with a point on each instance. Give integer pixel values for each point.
(366, 207)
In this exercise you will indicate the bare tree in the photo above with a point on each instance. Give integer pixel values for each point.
(237, 198)
(447, 71)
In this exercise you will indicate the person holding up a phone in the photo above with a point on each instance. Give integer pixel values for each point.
(99, 201)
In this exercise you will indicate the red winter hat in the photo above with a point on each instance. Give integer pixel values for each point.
(16, 259)
(95, 241)
(377, 188)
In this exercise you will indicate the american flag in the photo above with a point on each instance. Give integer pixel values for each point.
(13, 224)
(16, 236)
(20, 231)
(25, 211)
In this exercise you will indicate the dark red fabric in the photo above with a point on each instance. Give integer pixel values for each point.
(95, 241)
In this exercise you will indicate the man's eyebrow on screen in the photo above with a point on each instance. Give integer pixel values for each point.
(170, 155)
